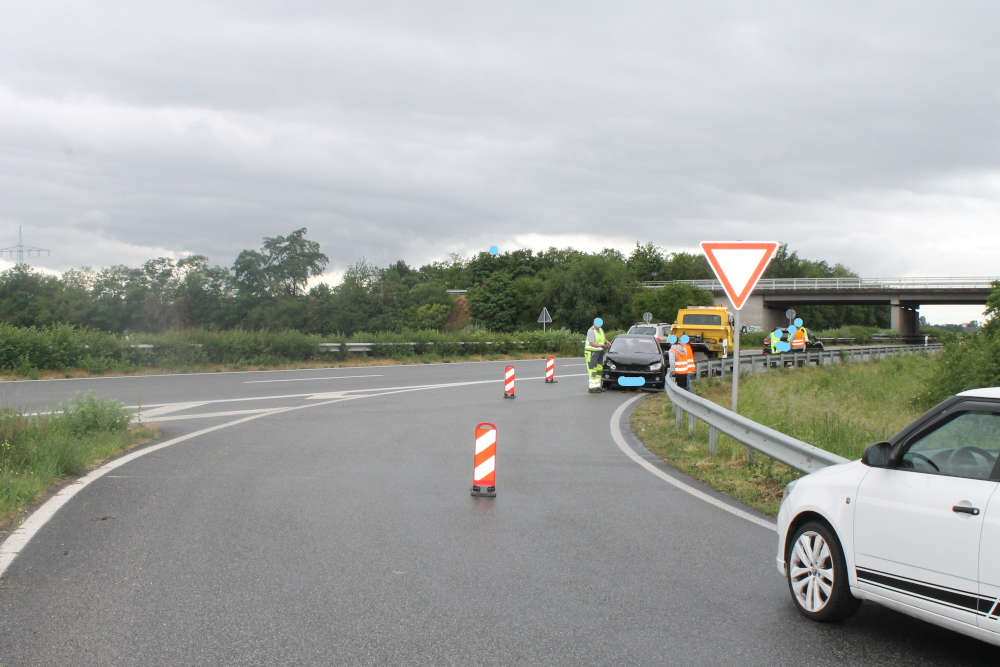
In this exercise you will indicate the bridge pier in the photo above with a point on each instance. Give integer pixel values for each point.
(904, 317)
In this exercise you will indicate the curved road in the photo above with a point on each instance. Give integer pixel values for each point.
(327, 520)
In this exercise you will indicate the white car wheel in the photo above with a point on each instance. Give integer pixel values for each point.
(811, 572)
(817, 574)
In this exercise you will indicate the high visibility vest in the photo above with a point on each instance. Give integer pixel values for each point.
(799, 339)
(599, 340)
(774, 342)
(683, 359)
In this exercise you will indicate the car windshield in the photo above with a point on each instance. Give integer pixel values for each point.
(628, 344)
(709, 320)
(646, 331)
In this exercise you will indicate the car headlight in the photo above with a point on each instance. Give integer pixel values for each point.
(611, 365)
(657, 366)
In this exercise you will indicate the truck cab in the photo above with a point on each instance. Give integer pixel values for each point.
(709, 328)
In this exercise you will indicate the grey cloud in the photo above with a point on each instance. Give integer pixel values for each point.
(390, 128)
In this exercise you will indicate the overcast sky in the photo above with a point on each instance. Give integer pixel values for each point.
(857, 132)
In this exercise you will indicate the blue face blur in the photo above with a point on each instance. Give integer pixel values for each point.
(672, 339)
(598, 322)
(685, 339)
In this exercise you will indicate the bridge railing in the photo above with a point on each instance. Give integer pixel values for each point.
(775, 284)
(791, 451)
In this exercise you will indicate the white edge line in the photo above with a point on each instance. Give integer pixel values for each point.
(17, 540)
(619, 438)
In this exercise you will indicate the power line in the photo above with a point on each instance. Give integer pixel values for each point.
(20, 250)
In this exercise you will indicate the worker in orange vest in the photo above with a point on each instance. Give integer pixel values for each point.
(799, 336)
(681, 358)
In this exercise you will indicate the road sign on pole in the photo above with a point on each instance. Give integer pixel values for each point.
(738, 265)
(544, 317)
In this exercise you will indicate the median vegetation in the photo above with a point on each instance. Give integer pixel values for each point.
(841, 408)
(39, 450)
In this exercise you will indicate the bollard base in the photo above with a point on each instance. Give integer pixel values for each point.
(484, 491)
(548, 381)
(510, 396)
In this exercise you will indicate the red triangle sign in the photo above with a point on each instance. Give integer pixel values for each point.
(739, 265)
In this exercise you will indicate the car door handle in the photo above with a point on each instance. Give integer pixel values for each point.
(965, 509)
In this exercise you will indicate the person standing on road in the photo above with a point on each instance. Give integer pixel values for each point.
(775, 339)
(800, 336)
(681, 359)
(593, 353)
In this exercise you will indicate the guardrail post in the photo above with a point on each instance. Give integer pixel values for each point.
(691, 423)
(678, 415)
(713, 440)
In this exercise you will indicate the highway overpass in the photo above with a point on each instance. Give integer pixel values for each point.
(772, 297)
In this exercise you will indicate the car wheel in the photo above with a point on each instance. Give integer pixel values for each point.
(817, 574)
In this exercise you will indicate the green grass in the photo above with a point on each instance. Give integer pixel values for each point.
(841, 408)
(39, 450)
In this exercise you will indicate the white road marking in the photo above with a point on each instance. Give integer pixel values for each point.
(209, 415)
(333, 394)
(166, 409)
(338, 377)
(277, 370)
(619, 438)
(16, 541)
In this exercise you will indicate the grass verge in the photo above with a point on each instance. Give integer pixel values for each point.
(841, 408)
(38, 451)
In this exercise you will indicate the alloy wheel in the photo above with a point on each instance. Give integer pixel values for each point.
(811, 571)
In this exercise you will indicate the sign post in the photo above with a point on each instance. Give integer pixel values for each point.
(738, 265)
(544, 317)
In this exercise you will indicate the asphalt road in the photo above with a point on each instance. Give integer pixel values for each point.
(334, 525)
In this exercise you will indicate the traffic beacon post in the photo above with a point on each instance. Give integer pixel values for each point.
(508, 382)
(550, 370)
(484, 465)
(738, 265)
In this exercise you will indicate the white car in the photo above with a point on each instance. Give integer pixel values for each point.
(914, 525)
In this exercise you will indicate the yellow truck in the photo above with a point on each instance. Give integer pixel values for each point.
(709, 328)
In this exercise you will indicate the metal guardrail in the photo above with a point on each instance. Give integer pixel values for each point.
(772, 284)
(791, 451)
(761, 362)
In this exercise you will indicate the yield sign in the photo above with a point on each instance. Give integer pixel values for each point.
(738, 265)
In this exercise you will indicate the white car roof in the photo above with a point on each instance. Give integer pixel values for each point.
(986, 392)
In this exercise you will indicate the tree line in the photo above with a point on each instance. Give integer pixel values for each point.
(268, 289)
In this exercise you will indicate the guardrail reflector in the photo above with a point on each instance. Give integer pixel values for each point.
(484, 467)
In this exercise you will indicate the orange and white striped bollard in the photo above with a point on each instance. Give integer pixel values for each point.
(508, 382)
(484, 467)
(550, 370)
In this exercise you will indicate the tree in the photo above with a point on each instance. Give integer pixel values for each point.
(646, 262)
(281, 268)
(494, 303)
(291, 261)
(687, 266)
(664, 302)
(591, 286)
